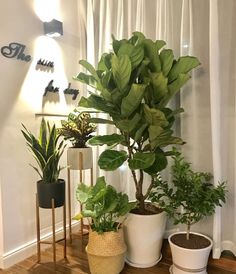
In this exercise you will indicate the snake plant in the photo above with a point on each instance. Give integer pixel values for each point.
(46, 150)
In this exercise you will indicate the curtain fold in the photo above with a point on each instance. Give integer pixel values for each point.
(190, 27)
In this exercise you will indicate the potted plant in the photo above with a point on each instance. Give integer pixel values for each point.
(104, 206)
(47, 152)
(188, 200)
(78, 130)
(133, 85)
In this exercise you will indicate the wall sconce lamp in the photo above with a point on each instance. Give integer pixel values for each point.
(53, 28)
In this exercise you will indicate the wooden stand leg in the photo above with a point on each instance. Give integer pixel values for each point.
(69, 203)
(64, 225)
(53, 233)
(91, 176)
(81, 179)
(38, 229)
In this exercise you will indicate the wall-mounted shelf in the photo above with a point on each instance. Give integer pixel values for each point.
(50, 114)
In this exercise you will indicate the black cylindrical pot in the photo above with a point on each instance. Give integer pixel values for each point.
(48, 191)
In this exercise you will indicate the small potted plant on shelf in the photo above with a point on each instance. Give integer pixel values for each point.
(104, 207)
(133, 85)
(191, 197)
(47, 152)
(78, 130)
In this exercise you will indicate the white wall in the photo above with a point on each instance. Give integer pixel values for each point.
(21, 89)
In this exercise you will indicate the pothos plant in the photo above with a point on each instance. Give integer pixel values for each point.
(104, 205)
(77, 129)
(133, 85)
(190, 197)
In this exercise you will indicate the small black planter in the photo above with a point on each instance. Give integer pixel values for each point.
(48, 191)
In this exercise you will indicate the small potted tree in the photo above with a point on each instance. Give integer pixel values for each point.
(104, 207)
(47, 152)
(133, 85)
(78, 130)
(187, 201)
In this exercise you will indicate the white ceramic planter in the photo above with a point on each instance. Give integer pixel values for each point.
(80, 158)
(143, 236)
(186, 261)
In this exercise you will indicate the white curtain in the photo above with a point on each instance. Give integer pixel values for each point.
(203, 28)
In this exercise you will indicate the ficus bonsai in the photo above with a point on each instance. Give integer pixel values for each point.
(77, 129)
(190, 197)
(133, 85)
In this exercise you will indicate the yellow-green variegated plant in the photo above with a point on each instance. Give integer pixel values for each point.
(133, 84)
(46, 150)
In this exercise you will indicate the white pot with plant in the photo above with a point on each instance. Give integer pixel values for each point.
(133, 85)
(191, 198)
(78, 130)
(104, 207)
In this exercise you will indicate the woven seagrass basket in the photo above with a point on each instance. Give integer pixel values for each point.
(106, 252)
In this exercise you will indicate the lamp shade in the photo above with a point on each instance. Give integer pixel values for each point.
(53, 28)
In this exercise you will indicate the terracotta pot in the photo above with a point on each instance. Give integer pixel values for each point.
(80, 158)
(186, 261)
(48, 191)
(144, 236)
(106, 252)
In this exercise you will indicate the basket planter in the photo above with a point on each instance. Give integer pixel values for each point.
(144, 236)
(106, 252)
(48, 191)
(80, 158)
(186, 261)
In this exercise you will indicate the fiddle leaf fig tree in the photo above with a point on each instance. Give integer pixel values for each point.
(133, 85)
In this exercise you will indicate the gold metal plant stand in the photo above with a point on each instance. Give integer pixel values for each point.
(54, 241)
(83, 227)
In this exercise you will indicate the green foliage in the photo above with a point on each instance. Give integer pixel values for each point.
(191, 196)
(103, 204)
(133, 85)
(46, 151)
(77, 129)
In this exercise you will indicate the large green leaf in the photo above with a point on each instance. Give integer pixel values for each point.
(83, 193)
(154, 116)
(173, 88)
(98, 103)
(127, 125)
(121, 69)
(167, 58)
(132, 100)
(89, 68)
(106, 140)
(112, 159)
(139, 133)
(135, 53)
(159, 164)
(141, 160)
(183, 66)
(86, 79)
(154, 132)
(159, 84)
(151, 49)
(101, 121)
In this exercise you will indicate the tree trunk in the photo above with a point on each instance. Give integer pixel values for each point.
(188, 231)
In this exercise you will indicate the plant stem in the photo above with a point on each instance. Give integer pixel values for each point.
(188, 231)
